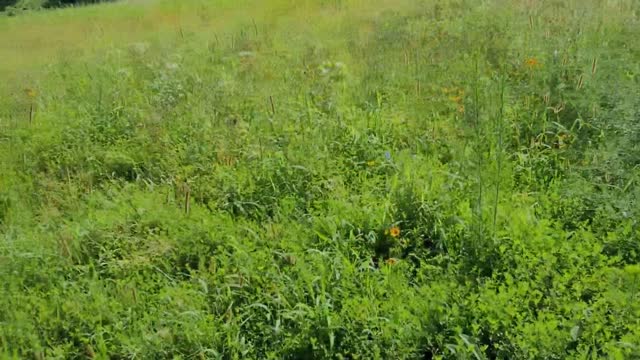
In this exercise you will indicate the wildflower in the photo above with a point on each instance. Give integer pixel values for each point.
(391, 261)
(532, 63)
(456, 99)
(371, 163)
(394, 231)
(453, 91)
(30, 93)
(387, 155)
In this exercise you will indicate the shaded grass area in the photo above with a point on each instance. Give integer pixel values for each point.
(338, 179)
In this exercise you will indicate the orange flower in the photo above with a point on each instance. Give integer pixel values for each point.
(394, 231)
(532, 63)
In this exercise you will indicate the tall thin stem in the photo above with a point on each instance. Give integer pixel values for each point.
(499, 152)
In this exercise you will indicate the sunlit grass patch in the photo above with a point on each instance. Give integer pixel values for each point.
(320, 179)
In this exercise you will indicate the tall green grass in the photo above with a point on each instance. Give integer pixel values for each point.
(321, 179)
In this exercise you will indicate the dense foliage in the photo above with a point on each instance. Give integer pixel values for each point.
(404, 179)
(12, 5)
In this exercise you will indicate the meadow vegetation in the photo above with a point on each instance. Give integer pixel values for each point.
(321, 179)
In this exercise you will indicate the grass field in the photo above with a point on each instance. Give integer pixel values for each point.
(321, 179)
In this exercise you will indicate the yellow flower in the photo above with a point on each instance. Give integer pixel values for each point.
(30, 93)
(532, 63)
(394, 231)
(391, 261)
(456, 99)
(371, 163)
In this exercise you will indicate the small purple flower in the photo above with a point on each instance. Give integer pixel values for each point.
(387, 155)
